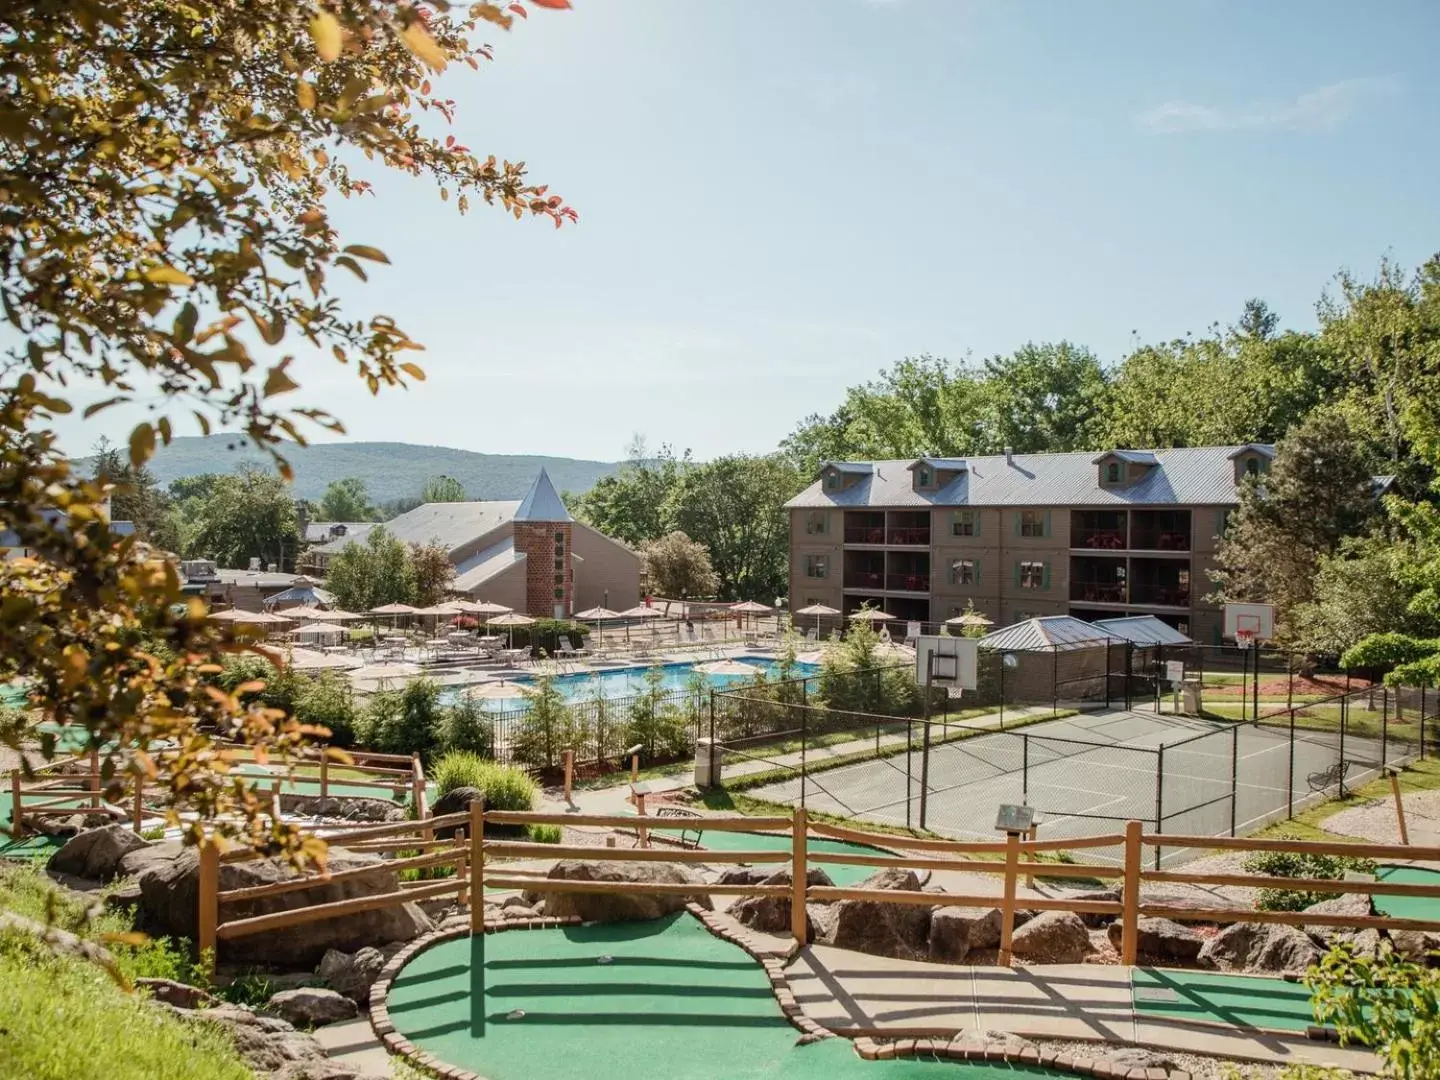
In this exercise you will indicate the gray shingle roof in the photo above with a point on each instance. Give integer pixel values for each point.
(1183, 476)
(482, 566)
(452, 524)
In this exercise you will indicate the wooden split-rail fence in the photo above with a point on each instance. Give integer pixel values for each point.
(479, 862)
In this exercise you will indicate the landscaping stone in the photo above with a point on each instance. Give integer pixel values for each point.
(771, 914)
(1347, 904)
(1267, 947)
(1052, 937)
(954, 931)
(1161, 939)
(620, 907)
(312, 1006)
(457, 801)
(63, 828)
(96, 853)
(170, 901)
(177, 993)
(743, 875)
(1417, 945)
(346, 808)
(878, 928)
(352, 974)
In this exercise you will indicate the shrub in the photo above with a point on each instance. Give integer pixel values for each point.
(467, 726)
(409, 720)
(504, 786)
(542, 730)
(657, 724)
(1384, 1001)
(329, 702)
(543, 635)
(1294, 865)
(545, 834)
(282, 686)
(457, 769)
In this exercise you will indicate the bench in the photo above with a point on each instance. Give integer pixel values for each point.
(1325, 778)
(682, 812)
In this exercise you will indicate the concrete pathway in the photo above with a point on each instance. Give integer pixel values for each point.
(857, 994)
(354, 1043)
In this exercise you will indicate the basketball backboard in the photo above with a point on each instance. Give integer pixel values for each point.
(947, 661)
(1256, 620)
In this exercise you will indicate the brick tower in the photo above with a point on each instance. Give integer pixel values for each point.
(543, 531)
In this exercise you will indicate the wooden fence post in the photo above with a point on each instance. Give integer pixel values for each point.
(642, 834)
(1034, 834)
(17, 802)
(477, 867)
(461, 897)
(324, 773)
(1399, 806)
(1007, 905)
(417, 783)
(209, 915)
(139, 809)
(569, 774)
(798, 873)
(275, 799)
(1130, 895)
(95, 779)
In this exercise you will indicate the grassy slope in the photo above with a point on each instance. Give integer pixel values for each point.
(1309, 824)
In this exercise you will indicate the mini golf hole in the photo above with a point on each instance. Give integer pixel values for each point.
(515, 1014)
(605, 960)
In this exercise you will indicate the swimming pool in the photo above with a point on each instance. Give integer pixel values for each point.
(623, 682)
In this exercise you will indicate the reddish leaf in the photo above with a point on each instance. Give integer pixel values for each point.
(553, 5)
(520, 10)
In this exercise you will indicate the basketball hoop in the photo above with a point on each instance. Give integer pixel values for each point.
(1245, 638)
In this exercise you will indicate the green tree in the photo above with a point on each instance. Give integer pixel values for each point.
(735, 507)
(543, 730)
(1044, 398)
(1317, 491)
(173, 194)
(136, 497)
(633, 505)
(442, 489)
(431, 571)
(1366, 587)
(679, 568)
(372, 572)
(249, 515)
(346, 500)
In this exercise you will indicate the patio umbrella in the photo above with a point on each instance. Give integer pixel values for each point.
(247, 618)
(304, 611)
(820, 611)
(335, 616)
(394, 609)
(596, 614)
(870, 615)
(750, 608)
(316, 630)
(466, 607)
(384, 672)
(511, 619)
(728, 667)
(310, 660)
(496, 690)
(974, 618)
(639, 611)
(486, 607)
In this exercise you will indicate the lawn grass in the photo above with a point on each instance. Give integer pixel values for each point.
(1309, 824)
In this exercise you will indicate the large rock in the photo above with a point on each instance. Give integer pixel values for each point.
(617, 906)
(352, 974)
(1269, 947)
(267, 1043)
(771, 914)
(169, 901)
(873, 926)
(955, 931)
(1161, 939)
(134, 863)
(343, 808)
(1052, 937)
(312, 1006)
(96, 854)
(1418, 945)
(1346, 904)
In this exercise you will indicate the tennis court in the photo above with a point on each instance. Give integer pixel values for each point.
(1088, 773)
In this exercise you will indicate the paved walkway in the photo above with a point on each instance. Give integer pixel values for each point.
(857, 994)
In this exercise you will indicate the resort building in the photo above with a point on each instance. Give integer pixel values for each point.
(1021, 535)
(529, 555)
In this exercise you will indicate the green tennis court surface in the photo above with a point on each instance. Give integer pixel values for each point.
(1234, 1000)
(618, 1001)
(1407, 907)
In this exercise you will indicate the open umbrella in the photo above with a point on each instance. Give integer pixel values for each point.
(394, 609)
(383, 672)
(973, 618)
(751, 607)
(487, 607)
(310, 660)
(728, 667)
(335, 616)
(304, 611)
(316, 630)
(596, 614)
(639, 611)
(820, 611)
(496, 690)
(870, 615)
(465, 607)
(247, 618)
(511, 619)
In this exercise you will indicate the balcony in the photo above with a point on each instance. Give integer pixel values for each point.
(917, 582)
(908, 536)
(864, 579)
(1096, 592)
(865, 534)
(1099, 540)
(1161, 595)
(1100, 530)
(1160, 530)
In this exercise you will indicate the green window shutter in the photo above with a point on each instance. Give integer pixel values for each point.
(1017, 575)
(977, 571)
(1048, 531)
(976, 515)
(1045, 578)
(1017, 522)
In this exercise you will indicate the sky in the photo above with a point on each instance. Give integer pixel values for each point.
(779, 200)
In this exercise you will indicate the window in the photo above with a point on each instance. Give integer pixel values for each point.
(817, 523)
(817, 566)
(965, 523)
(962, 572)
(1032, 575)
(559, 579)
(559, 562)
(1252, 466)
(1032, 523)
(559, 594)
(832, 481)
(560, 536)
(924, 478)
(1112, 473)
(1223, 521)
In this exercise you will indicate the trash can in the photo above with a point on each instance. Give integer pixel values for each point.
(1190, 695)
(709, 758)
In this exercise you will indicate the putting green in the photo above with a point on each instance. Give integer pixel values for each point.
(1234, 1000)
(292, 785)
(1407, 907)
(843, 875)
(621, 1000)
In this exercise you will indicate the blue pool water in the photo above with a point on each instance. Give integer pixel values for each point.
(626, 682)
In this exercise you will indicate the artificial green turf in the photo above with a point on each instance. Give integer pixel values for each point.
(843, 875)
(300, 785)
(1235, 1000)
(1407, 907)
(671, 999)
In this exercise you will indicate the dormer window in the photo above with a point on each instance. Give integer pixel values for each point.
(923, 478)
(1112, 473)
(832, 481)
(1252, 466)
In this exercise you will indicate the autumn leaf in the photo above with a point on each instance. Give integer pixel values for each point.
(418, 40)
(278, 382)
(553, 5)
(142, 444)
(168, 275)
(364, 251)
(325, 32)
(415, 371)
(304, 94)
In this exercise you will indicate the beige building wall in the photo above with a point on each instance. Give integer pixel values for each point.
(506, 587)
(983, 547)
(606, 568)
(1050, 548)
(1206, 524)
(806, 547)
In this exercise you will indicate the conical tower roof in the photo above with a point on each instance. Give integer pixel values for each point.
(542, 502)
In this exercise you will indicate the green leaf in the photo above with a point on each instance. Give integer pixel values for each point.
(184, 326)
(168, 275)
(364, 251)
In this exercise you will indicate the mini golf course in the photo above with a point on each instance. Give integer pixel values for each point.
(1239, 1001)
(1407, 907)
(816, 848)
(620, 1000)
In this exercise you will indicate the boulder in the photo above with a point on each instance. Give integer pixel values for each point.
(743, 875)
(346, 808)
(1161, 939)
(352, 974)
(873, 926)
(1269, 947)
(323, 1069)
(615, 906)
(266, 1043)
(1095, 922)
(177, 993)
(134, 863)
(457, 801)
(169, 902)
(96, 853)
(1052, 937)
(1418, 945)
(312, 1006)
(1346, 904)
(62, 828)
(955, 931)
(771, 914)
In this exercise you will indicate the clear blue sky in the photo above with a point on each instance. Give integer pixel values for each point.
(777, 200)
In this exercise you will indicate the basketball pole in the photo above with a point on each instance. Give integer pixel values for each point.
(925, 737)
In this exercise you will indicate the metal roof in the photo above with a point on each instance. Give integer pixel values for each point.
(1266, 449)
(1136, 457)
(542, 502)
(849, 466)
(453, 525)
(950, 464)
(1184, 476)
(1062, 632)
(1143, 630)
(473, 572)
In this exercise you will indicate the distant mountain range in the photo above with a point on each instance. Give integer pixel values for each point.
(391, 470)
